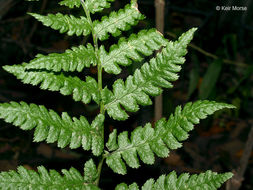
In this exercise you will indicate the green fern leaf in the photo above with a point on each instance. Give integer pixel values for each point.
(51, 127)
(28, 179)
(97, 5)
(208, 180)
(145, 42)
(65, 23)
(147, 80)
(92, 5)
(74, 59)
(71, 3)
(90, 171)
(67, 85)
(112, 141)
(124, 186)
(160, 140)
(117, 22)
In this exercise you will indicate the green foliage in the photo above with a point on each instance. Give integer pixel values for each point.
(97, 5)
(125, 18)
(82, 91)
(145, 42)
(147, 80)
(28, 179)
(50, 72)
(92, 5)
(65, 23)
(90, 171)
(71, 3)
(208, 180)
(74, 59)
(165, 136)
(51, 127)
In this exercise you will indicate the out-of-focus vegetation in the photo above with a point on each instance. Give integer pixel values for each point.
(219, 67)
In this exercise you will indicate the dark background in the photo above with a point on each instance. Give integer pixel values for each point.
(218, 67)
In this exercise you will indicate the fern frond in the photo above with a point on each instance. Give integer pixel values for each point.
(28, 179)
(65, 23)
(147, 80)
(166, 136)
(145, 42)
(51, 127)
(208, 180)
(92, 5)
(74, 59)
(66, 85)
(117, 22)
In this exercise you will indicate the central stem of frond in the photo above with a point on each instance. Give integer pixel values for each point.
(100, 81)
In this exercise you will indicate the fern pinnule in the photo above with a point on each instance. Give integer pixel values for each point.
(90, 171)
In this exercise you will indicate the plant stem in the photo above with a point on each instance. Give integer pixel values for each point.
(99, 64)
(100, 82)
(99, 169)
(160, 12)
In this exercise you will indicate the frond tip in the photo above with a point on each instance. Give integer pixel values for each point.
(51, 127)
(208, 180)
(65, 23)
(166, 136)
(43, 179)
(148, 80)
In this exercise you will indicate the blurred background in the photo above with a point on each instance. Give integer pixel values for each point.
(218, 67)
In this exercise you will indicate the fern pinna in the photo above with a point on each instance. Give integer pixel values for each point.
(121, 150)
